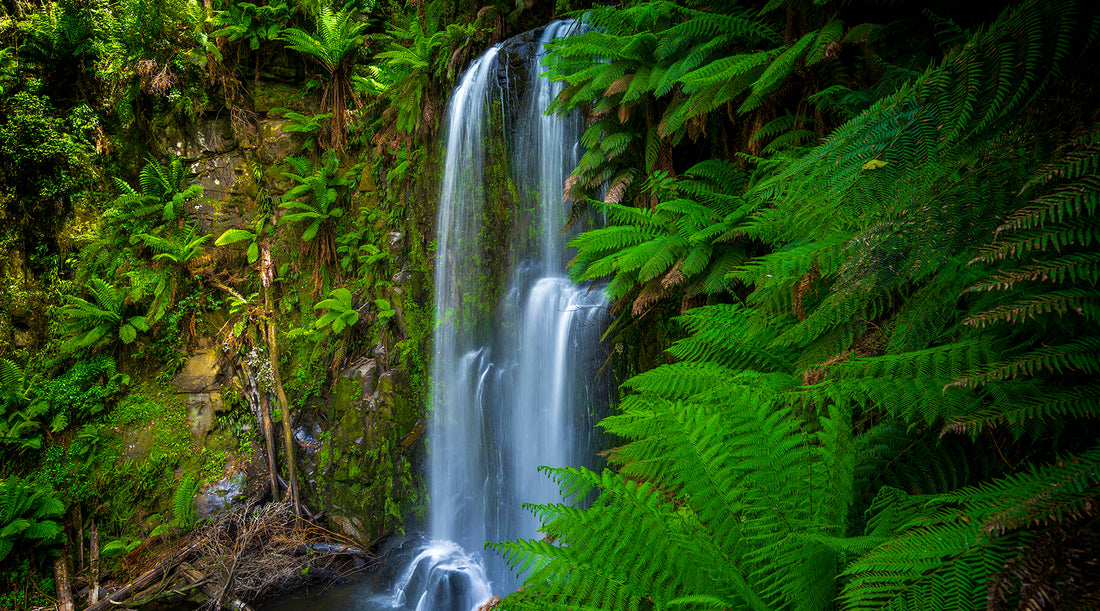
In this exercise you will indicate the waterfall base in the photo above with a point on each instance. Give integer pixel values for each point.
(447, 578)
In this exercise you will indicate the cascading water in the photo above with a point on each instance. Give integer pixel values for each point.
(514, 365)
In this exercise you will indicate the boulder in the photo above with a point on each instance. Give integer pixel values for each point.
(201, 413)
(366, 180)
(351, 527)
(395, 243)
(221, 494)
(201, 373)
(202, 138)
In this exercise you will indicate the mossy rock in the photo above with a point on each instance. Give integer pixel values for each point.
(267, 95)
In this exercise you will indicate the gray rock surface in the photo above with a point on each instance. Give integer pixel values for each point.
(219, 495)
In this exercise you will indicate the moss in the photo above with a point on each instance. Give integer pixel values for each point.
(268, 95)
(145, 450)
(345, 395)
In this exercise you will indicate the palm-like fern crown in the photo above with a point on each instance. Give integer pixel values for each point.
(659, 72)
(684, 245)
(104, 318)
(164, 189)
(27, 515)
(336, 36)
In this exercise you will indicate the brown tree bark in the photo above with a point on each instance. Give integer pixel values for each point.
(93, 595)
(61, 577)
(269, 441)
(267, 274)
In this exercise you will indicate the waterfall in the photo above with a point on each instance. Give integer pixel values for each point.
(515, 364)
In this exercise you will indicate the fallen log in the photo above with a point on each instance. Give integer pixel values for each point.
(145, 579)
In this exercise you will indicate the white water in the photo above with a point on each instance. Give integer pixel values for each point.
(513, 381)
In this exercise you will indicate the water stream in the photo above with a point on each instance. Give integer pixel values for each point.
(515, 362)
(516, 359)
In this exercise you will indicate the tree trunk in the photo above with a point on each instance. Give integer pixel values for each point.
(267, 274)
(61, 576)
(265, 407)
(93, 596)
(269, 441)
(78, 526)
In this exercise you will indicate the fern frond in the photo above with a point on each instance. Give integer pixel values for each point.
(777, 72)
(1085, 302)
(728, 335)
(1019, 408)
(1072, 267)
(1081, 355)
(183, 501)
(946, 557)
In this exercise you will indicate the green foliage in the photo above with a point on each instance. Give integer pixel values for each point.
(231, 236)
(102, 321)
(41, 157)
(385, 310)
(27, 587)
(355, 255)
(183, 502)
(683, 246)
(655, 72)
(339, 314)
(251, 23)
(302, 124)
(422, 56)
(28, 516)
(177, 255)
(900, 411)
(20, 426)
(333, 44)
(15, 385)
(316, 199)
(163, 190)
(86, 390)
(941, 554)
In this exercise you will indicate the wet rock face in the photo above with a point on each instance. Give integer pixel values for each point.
(221, 494)
(201, 379)
(200, 415)
(201, 139)
(511, 79)
(220, 161)
(366, 373)
(201, 373)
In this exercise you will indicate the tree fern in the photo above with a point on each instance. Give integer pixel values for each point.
(28, 516)
(675, 246)
(709, 542)
(332, 44)
(915, 330)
